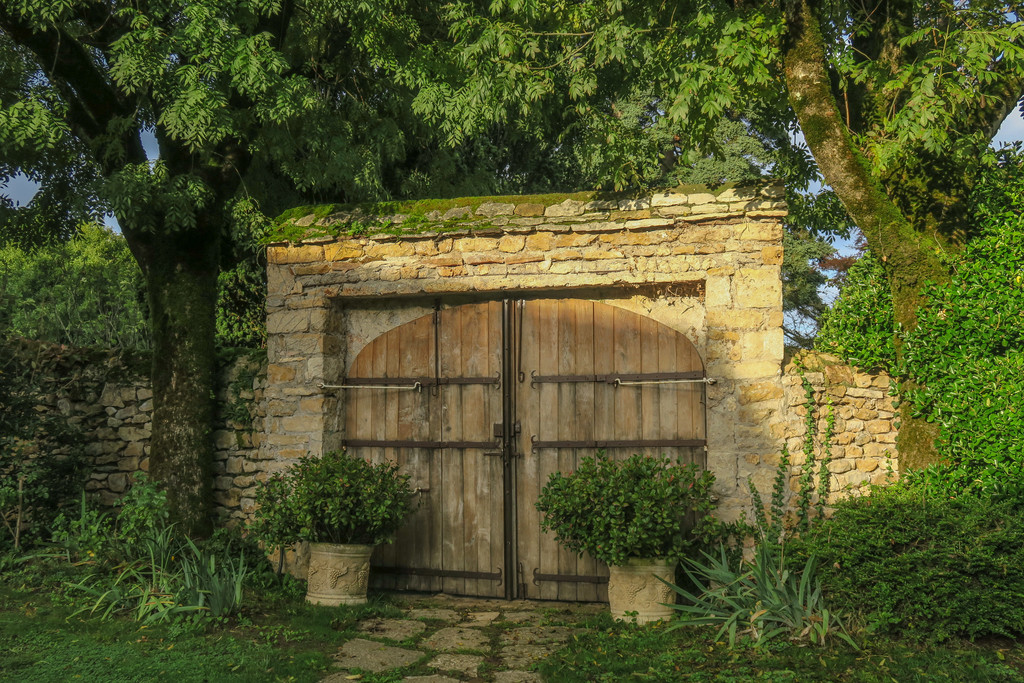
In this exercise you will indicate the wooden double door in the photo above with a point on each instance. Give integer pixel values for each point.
(480, 403)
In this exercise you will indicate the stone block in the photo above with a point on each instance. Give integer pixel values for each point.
(747, 370)
(389, 250)
(668, 198)
(879, 426)
(287, 322)
(634, 204)
(476, 244)
(772, 255)
(759, 288)
(492, 209)
(298, 254)
(762, 345)
(570, 207)
(759, 391)
(300, 424)
(280, 373)
(510, 244)
(541, 241)
(133, 433)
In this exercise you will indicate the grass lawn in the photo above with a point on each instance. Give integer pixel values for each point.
(280, 641)
(610, 652)
(280, 638)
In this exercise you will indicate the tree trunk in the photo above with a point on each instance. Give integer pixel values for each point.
(181, 280)
(910, 257)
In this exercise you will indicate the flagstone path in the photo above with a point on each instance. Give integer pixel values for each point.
(442, 639)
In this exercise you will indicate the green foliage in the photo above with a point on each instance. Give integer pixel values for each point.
(141, 566)
(925, 566)
(966, 357)
(85, 292)
(861, 327)
(86, 536)
(762, 599)
(41, 463)
(143, 512)
(644, 506)
(337, 498)
(606, 652)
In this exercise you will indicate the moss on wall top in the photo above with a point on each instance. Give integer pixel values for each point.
(329, 221)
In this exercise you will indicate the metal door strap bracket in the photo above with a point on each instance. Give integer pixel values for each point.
(396, 443)
(621, 378)
(626, 383)
(415, 386)
(633, 443)
(566, 578)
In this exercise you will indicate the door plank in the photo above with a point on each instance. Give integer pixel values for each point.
(474, 364)
(453, 483)
(528, 536)
(584, 409)
(565, 329)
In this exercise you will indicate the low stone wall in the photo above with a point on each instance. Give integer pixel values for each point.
(863, 444)
(107, 399)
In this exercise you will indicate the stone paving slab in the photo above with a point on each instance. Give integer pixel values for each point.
(480, 618)
(359, 653)
(523, 617)
(523, 656)
(393, 629)
(467, 664)
(434, 678)
(531, 635)
(457, 638)
(448, 615)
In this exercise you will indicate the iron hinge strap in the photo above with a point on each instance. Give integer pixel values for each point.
(634, 443)
(397, 443)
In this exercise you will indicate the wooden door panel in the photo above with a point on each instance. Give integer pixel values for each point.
(574, 339)
(454, 526)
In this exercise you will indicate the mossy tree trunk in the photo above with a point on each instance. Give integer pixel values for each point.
(911, 256)
(181, 280)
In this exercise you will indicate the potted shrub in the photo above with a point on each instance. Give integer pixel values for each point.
(640, 516)
(342, 506)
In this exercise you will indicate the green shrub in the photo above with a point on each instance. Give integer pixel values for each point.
(967, 354)
(616, 509)
(927, 567)
(861, 326)
(337, 498)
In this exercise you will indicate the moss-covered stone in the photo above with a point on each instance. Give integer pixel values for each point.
(312, 222)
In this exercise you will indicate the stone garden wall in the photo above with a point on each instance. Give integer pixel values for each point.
(106, 398)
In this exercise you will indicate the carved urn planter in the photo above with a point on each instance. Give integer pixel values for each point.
(338, 574)
(634, 587)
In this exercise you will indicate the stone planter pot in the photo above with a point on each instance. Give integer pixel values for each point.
(338, 574)
(633, 587)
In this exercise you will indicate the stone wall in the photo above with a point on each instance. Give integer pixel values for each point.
(108, 401)
(864, 439)
(705, 264)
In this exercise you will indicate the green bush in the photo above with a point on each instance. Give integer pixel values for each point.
(87, 291)
(926, 567)
(616, 509)
(861, 326)
(967, 354)
(337, 498)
